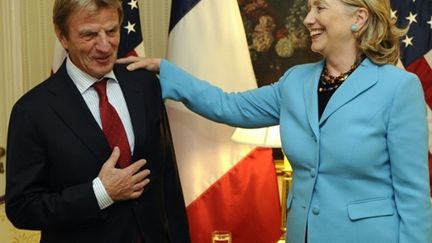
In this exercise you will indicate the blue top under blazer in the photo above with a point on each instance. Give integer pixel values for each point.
(360, 172)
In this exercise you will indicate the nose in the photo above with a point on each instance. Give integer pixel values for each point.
(309, 19)
(103, 43)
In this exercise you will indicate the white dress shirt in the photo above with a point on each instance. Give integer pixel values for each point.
(84, 83)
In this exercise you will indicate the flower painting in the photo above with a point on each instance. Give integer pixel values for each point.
(276, 36)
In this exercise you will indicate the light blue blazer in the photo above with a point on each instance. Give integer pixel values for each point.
(360, 172)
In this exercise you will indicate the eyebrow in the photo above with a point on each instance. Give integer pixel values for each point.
(86, 32)
(91, 30)
(316, 2)
(321, 2)
(114, 27)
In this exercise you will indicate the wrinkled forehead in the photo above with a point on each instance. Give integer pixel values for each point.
(93, 12)
(92, 9)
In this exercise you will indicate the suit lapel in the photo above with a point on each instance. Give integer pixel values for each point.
(68, 103)
(311, 97)
(135, 103)
(365, 76)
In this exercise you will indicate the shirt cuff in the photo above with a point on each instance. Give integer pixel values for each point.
(103, 199)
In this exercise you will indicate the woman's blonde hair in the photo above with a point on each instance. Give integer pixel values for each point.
(379, 38)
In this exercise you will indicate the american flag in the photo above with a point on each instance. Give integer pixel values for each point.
(131, 41)
(416, 48)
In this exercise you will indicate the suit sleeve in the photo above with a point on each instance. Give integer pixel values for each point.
(175, 208)
(30, 204)
(175, 205)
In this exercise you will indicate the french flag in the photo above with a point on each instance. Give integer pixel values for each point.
(226, 186)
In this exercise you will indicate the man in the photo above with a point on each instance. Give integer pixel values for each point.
(68, 174)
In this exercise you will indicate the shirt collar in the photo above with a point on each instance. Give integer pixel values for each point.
(82, 80)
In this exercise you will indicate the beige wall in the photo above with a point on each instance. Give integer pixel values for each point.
(155, 22)
(25, 42)
(26, 51)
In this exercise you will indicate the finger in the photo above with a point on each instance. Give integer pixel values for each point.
(115, 155)
(136, 65)
(126, 60)
(136, 194)
(148, 63)
(135, 167)
(140, 186)
(151, 64)
(140, 175)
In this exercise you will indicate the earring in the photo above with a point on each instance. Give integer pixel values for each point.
(354, 28)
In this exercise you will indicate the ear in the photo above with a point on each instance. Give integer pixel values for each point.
(362, 15)
(62, 38)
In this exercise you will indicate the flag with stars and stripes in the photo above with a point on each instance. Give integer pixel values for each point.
(416, 48)
(131, 40)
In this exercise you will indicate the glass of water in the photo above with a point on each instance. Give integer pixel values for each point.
(221, 236)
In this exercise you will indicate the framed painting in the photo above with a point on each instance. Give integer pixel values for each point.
(276, 36)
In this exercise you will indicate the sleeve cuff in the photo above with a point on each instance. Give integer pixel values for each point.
(102, 196)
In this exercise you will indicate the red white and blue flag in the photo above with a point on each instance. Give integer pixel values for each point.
(226, 186)
(416, 48)
(131, 40)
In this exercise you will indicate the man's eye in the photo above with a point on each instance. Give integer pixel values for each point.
(89, 36)
(112, 31)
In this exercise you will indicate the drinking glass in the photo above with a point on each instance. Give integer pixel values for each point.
(221, 236)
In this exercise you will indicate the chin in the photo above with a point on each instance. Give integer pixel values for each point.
(100, 72)
(314, 49)
(105, 68)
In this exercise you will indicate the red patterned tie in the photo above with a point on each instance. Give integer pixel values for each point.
(112, 125)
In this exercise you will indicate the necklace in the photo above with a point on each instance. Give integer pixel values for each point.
(329, 82)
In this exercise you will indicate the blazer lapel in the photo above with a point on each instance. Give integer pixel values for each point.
(310, 93)
(365, 76)
(135, 103)
(68, 103)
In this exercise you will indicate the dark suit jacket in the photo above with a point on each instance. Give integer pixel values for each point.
(56, 149)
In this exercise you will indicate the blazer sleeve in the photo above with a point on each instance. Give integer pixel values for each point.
(174, 204)
(253, 108)
(408, 145)
(29, 203)
(174, 200)
(175, 207)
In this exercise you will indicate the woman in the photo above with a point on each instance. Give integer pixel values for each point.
(352, 125)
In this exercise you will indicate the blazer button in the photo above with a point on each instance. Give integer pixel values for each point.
(313, 173)
(315, 210)
(313, 137)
